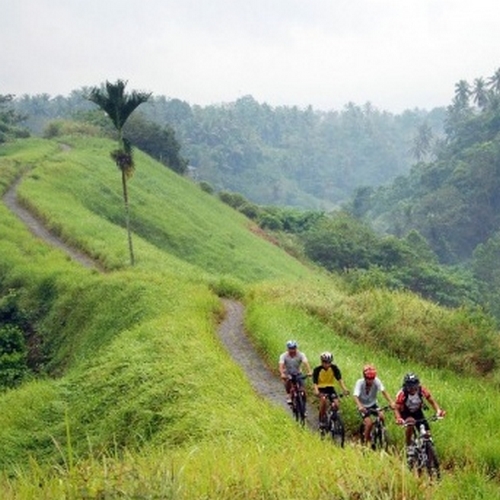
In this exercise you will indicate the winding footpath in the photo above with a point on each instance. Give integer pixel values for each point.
(231, 330)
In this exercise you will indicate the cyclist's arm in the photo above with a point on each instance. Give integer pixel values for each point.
(338, 376)
(344, 387)
(359, 405)
(398, 406)
(389, 399)
(315, 375)
(308, 368)
(434, 404)
(282, 370)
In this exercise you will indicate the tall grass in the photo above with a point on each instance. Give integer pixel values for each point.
(140, 399)
(468, 437)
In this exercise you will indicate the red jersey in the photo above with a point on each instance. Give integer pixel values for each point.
(412, 402)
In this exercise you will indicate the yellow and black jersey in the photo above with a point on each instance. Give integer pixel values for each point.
(325, 377)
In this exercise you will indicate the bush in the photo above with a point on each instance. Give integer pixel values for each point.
(13, 356)
(207, 187)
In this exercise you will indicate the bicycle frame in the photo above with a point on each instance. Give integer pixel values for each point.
(425, 454)
(332, 421)
(378, 433)
(298, 397)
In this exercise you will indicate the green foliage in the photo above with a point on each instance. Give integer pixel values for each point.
(234, 200)
(116, 103)
(132, 414)
(58, 128)
(10, 121)
(205, 186)
(13, 356)
(157, 141)
(285, 156)
(453, 201)
(339, 242)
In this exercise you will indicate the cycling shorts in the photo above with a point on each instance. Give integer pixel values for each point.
(329, 391)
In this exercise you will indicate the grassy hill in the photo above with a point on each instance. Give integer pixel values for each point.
(138, 399)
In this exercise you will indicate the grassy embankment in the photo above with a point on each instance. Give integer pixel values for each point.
(140, 399)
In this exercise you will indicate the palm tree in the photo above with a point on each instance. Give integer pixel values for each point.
(422, 142)
(494, 82)
(480, 93)
(462, 94)
(119, 105)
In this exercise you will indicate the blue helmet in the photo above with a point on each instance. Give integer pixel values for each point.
(291, 344)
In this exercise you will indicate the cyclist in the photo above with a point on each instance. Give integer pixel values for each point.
(324, 377)
(410, 402)
(290, 363)
(365, 396)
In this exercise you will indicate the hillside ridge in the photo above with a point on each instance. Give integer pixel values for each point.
(36, 226)
(231, 330)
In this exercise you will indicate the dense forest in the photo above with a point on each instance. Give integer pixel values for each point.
(407, 201)
(453, 198)
(282, 156)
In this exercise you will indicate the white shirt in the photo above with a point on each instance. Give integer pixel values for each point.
(369, 398)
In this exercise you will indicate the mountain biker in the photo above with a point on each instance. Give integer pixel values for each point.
(290, 363)
(410, 402)
(365, 396)
(324, 377)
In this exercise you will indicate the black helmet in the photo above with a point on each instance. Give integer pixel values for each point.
(411, 380)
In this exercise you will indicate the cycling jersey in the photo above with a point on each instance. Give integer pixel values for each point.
(325, 377)
(411, 403)
(292, 364)
(368, 399)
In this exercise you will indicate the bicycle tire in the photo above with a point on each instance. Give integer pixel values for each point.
(432, 462)
(300, 408)
(380, 438)
(337, 430)
(323, 425)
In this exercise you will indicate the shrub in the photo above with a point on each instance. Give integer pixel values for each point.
(13, 356)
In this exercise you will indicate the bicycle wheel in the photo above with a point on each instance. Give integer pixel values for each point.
(380, 437)
(323, 424)
(300, 408)
(431, 463)
(361, 431)
(337, 430)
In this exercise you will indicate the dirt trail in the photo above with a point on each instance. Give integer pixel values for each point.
(231, 329)
(39, 230)
(263, 380)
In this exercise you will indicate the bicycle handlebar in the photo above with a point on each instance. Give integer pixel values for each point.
(298, 376)
(419, 421)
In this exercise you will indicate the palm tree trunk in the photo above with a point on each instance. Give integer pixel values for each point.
(127, 217)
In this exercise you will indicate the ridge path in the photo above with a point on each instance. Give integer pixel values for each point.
(231, 330)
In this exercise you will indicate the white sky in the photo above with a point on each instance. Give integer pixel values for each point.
(397, 54)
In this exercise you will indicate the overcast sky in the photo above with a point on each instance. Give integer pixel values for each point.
(396, 54)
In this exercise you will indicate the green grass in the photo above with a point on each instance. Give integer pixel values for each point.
(140, 399)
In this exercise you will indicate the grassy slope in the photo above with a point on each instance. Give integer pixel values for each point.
(139, 364)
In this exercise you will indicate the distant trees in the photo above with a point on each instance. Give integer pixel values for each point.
(119, 105)
(422, 142)
(10, 120)
(282, 155)
(157, 141)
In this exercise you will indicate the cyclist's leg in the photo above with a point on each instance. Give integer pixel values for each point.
(368, 425)
(322, 407)
(288, 388)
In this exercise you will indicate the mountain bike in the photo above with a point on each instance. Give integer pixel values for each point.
(424, 455)
(298, 397)
(331, 422)
(379, 437)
